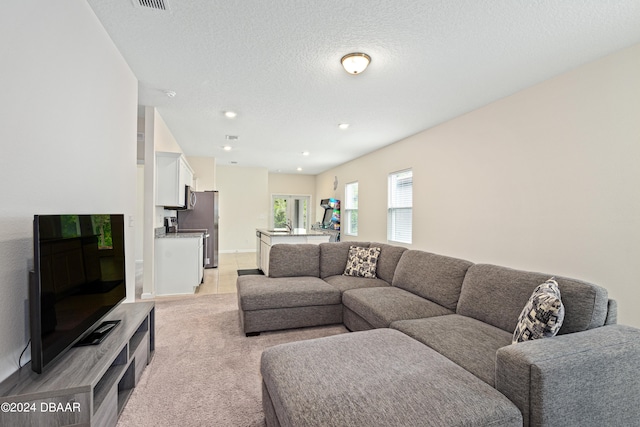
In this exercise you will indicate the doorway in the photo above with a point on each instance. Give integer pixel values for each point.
(290, 210)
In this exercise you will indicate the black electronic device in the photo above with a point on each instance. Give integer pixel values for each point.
(78, 278)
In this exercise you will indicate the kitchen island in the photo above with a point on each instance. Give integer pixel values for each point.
(267, 238)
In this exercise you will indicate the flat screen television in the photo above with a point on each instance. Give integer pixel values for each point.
(78, 278)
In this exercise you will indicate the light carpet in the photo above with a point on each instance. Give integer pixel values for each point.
(205, 372)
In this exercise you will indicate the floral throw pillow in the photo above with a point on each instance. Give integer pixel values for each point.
(362, 262)
(543, 314)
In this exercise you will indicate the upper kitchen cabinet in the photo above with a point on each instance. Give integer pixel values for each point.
(173, 173)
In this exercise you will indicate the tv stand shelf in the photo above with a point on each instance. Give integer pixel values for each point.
(87, 385)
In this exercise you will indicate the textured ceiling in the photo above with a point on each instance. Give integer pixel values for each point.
(277, 64)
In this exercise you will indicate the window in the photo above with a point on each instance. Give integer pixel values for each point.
(351, 209)
(399, 216)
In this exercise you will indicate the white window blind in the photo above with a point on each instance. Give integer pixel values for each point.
(399, 217)
(351, 209)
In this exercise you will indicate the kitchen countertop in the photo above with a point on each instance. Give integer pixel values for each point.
(180, 235)
(290, 233)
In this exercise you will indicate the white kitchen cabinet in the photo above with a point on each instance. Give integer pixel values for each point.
(173, 173)
(179, 264)
(265, 248)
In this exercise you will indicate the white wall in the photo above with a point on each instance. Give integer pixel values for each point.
(139, 216)
(544, 180)
(68, 132)
(244, 206)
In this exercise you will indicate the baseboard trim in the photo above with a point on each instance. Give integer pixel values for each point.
(237, 251)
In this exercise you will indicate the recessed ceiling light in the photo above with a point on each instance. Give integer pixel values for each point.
(233, 162)
(355, 63)
(344, 126)
(299, 169)
(170, 93)
(230, 114)
(305, 153)
(231, 137)
(227, 148)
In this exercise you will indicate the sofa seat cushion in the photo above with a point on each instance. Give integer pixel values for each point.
(381, 306)
(466, 341)
(496, 295)
(345, 283)
(375, 378)
(259, 292)
(435, 277)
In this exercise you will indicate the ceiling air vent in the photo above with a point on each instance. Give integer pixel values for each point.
(152, 4)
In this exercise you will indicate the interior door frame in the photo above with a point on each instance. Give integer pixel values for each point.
(290, 196)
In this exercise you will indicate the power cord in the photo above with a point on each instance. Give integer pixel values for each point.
(22, 354)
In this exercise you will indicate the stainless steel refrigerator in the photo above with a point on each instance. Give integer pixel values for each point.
(203, 217)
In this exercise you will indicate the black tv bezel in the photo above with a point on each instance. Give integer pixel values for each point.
(35, 306)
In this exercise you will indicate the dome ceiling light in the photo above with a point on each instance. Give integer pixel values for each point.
(355, 63)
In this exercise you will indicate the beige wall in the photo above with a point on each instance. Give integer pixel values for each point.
(163, 138)
(204, 172)
(244, 206)
(544, 180)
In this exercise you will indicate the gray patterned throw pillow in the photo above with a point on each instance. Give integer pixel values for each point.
(543, 314)
(362, 262)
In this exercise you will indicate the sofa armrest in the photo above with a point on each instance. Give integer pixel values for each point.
(301, 259)
(579, 379)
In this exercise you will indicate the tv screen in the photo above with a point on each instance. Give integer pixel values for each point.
(78, 277)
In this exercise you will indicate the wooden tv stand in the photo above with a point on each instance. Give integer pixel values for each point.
(87, 385)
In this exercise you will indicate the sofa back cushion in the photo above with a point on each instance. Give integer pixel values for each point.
(437, 278)
(388, 260)
(333, 257)
(496, 295)
(294, 260)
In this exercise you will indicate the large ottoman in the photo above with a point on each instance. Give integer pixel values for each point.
(379, 377)
(269, 304)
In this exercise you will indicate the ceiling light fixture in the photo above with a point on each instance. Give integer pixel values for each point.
(170, 93)
(299, 169)
(305, 153)
(343, 126)
(230, 114)
(355, 63)
(227, 148)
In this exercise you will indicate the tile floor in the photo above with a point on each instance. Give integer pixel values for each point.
(221, 280)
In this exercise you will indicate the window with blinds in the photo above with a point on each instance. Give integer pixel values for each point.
(350, 221)
(399, 216)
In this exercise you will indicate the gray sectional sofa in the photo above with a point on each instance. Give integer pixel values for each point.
(432, 344)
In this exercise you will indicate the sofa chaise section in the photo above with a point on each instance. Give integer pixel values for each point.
(293, 296)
